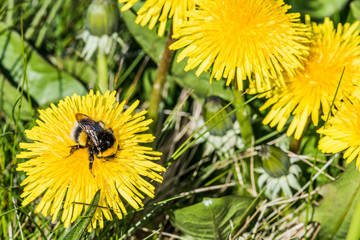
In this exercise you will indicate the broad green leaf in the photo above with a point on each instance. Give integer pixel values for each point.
(339, 199)
(78, 68)
(214, 113)
(46, 83)
(355, 9)
(309, 144)
(77, 231)
(201, 85)
(150, 42)
(318, 8)
(9, 96)
(153, 45)
(213, 217)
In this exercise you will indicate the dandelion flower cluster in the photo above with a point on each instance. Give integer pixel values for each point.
(153, 11)
(63, 177)
(312, 90)
(243, 39)
(342, 132)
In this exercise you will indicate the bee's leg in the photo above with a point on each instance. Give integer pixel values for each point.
(108, 158)
(73, 149)
(91, 159)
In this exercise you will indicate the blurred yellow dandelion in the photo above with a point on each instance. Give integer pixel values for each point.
(342, 132)
(242, 39)
(311, 92)
(153, 11)
(59, 171)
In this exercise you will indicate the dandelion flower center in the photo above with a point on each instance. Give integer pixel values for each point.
(260, 25)
(243, 39)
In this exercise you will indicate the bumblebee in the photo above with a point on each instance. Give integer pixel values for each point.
(93, 135)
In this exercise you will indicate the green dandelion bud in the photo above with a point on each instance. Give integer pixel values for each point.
(213, 106)
(102, 17)
(279, 173)
(274, 161)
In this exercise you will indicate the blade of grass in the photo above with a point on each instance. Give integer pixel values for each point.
(76, 232)
(34, 222)
(9, 15)
(54, 10)
(10, 211)
(37, 18)
(11, 197)
(184, 146)
(129, 70)
(3, 8)
(18, 217)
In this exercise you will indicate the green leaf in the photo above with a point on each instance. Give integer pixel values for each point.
(318, 8)
(76, 232)
(213, 217)
(214, 113)
(78, 68)
(338, 204)
(46, 83)
(309, 144)
(153, 45)
(201, 85)
(355, 9)
(150, 42)
(9, 96)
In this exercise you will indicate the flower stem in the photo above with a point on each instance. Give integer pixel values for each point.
(159, 81)
(102, 69)
(243, 117)
(295, 145)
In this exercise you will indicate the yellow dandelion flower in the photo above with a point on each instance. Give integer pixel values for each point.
(153, 11)
(311, 91)
(243, 39)
(58, 165)
(342, 132)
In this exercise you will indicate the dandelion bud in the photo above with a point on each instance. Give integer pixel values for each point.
(102, 17)
(213, 106)
(274, 161)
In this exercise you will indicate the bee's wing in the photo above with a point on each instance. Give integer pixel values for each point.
(80, 117)
(89, 126)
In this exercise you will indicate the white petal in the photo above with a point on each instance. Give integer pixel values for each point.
(295, 169)
(276, 190)
(262, 179)
(293, 182)
(285, 186)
